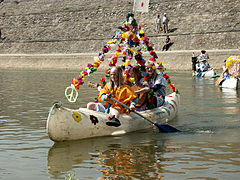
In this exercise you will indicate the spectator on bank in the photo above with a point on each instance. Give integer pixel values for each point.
(158, 23)
(203, 56)
(167, 44)
(165, 22)
(194, 61)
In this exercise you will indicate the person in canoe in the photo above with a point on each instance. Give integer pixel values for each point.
(156, 85)
(139, 89)
(119, 91)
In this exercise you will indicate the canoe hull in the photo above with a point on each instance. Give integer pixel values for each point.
(232, 83)
(206, 74)
(68, 124)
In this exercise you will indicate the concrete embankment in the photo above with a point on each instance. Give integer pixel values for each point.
(172, 60)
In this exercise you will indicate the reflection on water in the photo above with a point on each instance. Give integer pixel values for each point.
(121, 158)
(148, 156)
(208, 147)
(231, 98)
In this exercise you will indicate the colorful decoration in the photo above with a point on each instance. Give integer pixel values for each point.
(94, 119)
(130, 40)
(169, 83)
(76, 116)
(232, 59)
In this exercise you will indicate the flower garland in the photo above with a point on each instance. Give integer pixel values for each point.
(129, 40)
(170, 84)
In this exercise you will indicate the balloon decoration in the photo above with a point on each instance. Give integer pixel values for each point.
(129, 41)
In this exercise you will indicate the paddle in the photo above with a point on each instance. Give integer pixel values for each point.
(217, 75)
(162, 127)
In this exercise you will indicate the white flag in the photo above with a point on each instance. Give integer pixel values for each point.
(141, 5)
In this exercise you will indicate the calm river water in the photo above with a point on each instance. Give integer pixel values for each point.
(207, 147)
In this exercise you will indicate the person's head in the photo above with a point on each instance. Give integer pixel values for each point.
(136, 74)
(151, 69)
(203, 51)
(158, 16)
(165, 14)
(116, 77)
(167, 36)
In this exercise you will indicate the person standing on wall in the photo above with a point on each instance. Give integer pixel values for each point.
(158, 23)
(165, 22)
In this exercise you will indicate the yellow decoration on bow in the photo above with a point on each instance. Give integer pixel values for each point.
(76, 116)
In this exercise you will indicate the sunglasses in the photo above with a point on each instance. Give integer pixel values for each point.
(149, 68)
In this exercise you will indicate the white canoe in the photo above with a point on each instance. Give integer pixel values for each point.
(69, 124)
(232, 83)
(209, 73)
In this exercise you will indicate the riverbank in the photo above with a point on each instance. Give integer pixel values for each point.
(172, 60)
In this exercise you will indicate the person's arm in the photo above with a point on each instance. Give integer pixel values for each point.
(133, 104)
(143, 90)
(168, 41)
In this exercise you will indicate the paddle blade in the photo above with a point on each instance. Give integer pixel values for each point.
(166, 128)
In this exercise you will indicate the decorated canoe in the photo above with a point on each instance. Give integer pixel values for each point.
(230, 82)
(73, 124)
(209, 73)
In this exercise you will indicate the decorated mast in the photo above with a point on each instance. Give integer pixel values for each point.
(130, 40)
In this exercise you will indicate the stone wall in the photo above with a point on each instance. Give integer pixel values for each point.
(79, 26)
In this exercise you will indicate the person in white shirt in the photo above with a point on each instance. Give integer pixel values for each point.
(158, 23)
(165, 22)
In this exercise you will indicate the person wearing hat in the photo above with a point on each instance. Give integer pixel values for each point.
(165, 22)
(157, 86)
(204, 65)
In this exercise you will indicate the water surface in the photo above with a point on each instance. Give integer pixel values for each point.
(207, 147)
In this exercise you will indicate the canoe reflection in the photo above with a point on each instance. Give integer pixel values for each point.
(230, 96)
(134, 155)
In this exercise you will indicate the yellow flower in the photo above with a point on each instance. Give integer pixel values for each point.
(76, 116)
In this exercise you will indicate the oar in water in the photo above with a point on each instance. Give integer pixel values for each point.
(217, 75)
(161, 127)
